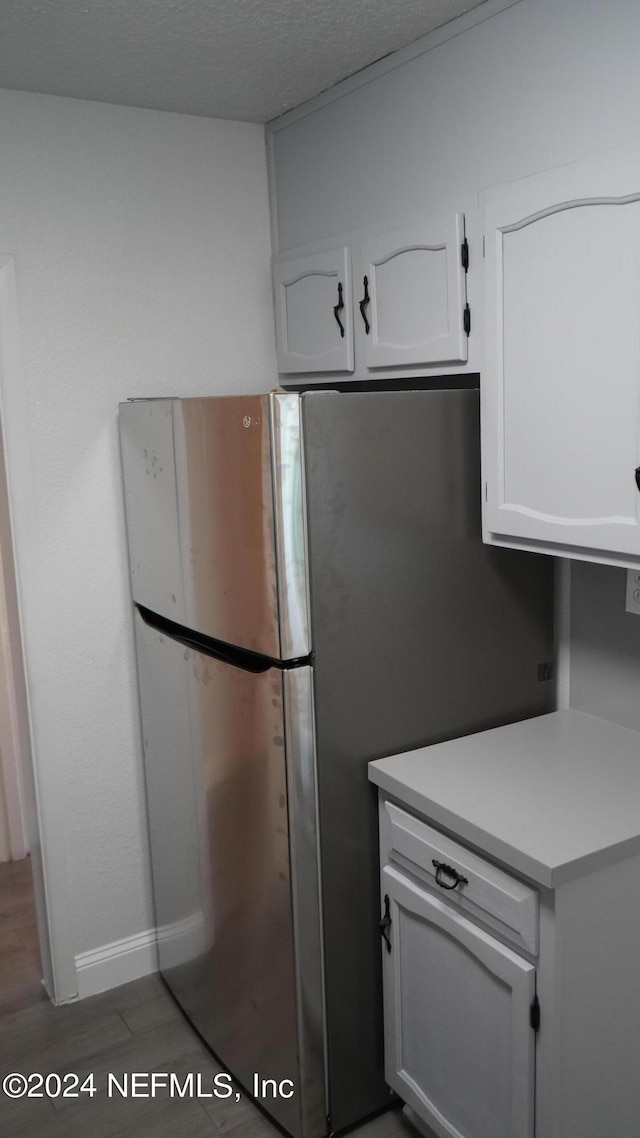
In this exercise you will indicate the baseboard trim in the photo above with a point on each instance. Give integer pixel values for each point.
(117, 963)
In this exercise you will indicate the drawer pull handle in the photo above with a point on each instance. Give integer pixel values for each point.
(337, 309)
(364, 303)
(443, 868)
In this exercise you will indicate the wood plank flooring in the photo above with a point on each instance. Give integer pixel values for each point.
(20, 972)
(136, 1028)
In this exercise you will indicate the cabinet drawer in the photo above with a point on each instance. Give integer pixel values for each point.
(488, 894)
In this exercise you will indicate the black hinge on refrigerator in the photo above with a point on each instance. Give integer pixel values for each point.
(385, 923)
(534, 1014)
(467, 319)
(464, 254)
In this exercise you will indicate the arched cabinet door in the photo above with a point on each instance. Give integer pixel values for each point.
(314, 323)
(410, 295)
(561, 386)
(459, 1047)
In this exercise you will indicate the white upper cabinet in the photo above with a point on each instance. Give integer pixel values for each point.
(561, 385)
(410, 295)
(314, 318)
(407, 308)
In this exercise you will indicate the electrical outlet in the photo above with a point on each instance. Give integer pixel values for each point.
(633, 591)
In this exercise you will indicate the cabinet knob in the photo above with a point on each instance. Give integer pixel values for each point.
(443, 869)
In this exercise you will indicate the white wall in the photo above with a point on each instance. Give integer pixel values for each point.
(539, 84)
(141, 247)
(605, 646)
(15, 749)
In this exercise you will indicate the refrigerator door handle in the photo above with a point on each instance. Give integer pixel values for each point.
(289, 507)
(242, 658)
(299, 730)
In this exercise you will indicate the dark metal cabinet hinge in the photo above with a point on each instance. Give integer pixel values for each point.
(467, 319)
(464, 254)
(534, 1014)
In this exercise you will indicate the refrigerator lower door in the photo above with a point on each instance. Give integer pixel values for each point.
(230, 773)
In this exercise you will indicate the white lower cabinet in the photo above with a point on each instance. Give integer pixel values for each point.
(460, 1004)
(510, 943)
(459, 1042)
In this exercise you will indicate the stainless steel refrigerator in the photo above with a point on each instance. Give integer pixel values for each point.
(311, 592)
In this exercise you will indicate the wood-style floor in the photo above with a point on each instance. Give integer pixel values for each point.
(20, 973)
(136, 1028)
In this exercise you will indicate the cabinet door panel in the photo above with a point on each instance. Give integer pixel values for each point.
(314, 320)
(560, 407)
(459, 1046)
(416, 286)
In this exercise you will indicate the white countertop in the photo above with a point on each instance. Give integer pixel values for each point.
(553, 797)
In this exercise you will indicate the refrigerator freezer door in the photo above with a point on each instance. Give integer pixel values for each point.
(148, 464)
(234, 863)
(215, 516)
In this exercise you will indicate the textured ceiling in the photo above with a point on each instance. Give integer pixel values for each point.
(237, 59)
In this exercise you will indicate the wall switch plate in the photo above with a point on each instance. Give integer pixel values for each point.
(633, 591)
